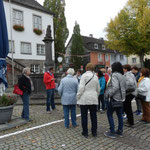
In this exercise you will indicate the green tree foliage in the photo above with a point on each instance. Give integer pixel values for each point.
(129, 31)
(61, 31)
(77, 47)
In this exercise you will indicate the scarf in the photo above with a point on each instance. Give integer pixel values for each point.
(32, 86)
(141, 78)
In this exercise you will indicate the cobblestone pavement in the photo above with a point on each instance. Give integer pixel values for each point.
(57, 137)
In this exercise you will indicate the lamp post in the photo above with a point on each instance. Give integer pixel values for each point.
(12, 55)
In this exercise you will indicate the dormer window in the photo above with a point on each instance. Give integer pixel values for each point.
(95, 46)
(103, 47)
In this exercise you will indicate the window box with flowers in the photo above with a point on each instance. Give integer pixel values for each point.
(18, 28)
(7, 103)
(37, 31)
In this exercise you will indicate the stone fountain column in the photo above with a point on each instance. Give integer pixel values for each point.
(48, 49)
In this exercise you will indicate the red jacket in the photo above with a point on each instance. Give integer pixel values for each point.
(49, 83)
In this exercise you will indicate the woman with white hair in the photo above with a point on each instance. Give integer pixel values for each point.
(26, 85)
(67, 90)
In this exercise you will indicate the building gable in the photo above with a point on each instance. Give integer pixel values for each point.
(32, 4)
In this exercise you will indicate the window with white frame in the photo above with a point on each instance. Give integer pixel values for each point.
(99, 57)
(113, 58)
(95, 46)
(17, 17)
(121, 57)
(40, 49)
(25, 48)
(106, 57)
(133, 60)
(11, 46)
(35, 68)
(103, 47)
(37, 22)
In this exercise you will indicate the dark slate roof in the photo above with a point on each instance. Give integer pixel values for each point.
(88, 40)
(32, 4)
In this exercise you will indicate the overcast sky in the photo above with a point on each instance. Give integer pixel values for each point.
(91, 15)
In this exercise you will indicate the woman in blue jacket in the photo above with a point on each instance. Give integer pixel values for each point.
(102, 83)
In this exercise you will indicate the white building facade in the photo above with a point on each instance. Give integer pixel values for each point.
(28, 47)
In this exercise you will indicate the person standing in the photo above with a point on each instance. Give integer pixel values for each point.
(135, 71)
(116, 90)
(106, 76)
(109, 72)
(49, 81)
(87, 98)
(131, 86)
(78, 75)
(144, 90)
(68, 90)
(102, 83)
(26, 85)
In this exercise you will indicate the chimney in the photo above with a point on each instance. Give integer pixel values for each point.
(101, 38)
(91, 35)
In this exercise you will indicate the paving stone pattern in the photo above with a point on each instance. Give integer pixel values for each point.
(57, 137)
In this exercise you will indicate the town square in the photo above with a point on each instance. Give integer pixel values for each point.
(74, 75)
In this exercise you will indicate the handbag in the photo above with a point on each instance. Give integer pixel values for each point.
(141, 97)
(116, 104)
(17, 90)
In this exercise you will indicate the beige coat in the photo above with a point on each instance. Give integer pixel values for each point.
(88, 94)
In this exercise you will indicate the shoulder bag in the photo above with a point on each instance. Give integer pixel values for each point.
(17, 90)
(141, 97)
(89, 80)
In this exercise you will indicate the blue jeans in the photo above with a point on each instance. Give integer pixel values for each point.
(66, 109)
(84, 118)
(25, 111)
(50, 99)
(110, 111)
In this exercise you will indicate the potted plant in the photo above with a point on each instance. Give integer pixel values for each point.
(7, 103)
(18, 28)
(37, 31)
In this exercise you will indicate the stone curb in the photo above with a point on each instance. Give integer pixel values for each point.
(15, 122)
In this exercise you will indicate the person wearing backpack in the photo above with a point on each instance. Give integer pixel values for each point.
(131, 86)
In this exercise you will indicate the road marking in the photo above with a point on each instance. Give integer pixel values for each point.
(33, 128)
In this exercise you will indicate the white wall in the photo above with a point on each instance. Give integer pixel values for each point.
(137, 60)
(28, 35)
(123, 62)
